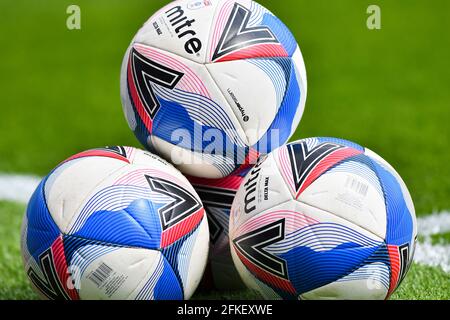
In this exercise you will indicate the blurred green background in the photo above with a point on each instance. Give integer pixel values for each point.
(386, 89)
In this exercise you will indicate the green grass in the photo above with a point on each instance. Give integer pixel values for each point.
(421, 282)
(13, 281)
(443, 238)
(424, 283)
(436, 239)
(385, 89)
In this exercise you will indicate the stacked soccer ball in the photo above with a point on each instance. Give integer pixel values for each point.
(217, 88)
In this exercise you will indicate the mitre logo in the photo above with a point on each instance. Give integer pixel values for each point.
(183, 28)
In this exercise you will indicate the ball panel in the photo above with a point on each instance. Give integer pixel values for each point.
(401, 256)
(244, 29)
(302, 162)
(44, 262)
(303, 83)
(182, 27)
(212, 166)
(299, 63)
(263, 188)
(41, 229)
(281, 128)
(370, 280)
(62, 269)
(126, 200)
(280, 93)
(217, 196)
(40, 243)
(126, 197)
(42, 251)
(118, 153)
(236, 80)
(281, 32)
(72, 182)
(162, 284)
(366, 283)
(188, 257)
(400, 221)
(350, 190)
(127, 106)
(142, 159)
(342, 142)
(252, 282)
(310, 239)
(250, 248)
(131, 226)
(196, 248)
(405, 191)
(205, 134)
(26, 256)
(401, 230)
(167, 287)
(116, 274)
(148, 163)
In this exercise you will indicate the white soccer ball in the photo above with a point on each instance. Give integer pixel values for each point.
(323, 218)
(115, 223)
(211, 84)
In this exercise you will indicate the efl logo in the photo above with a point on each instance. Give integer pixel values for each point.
(197, 4)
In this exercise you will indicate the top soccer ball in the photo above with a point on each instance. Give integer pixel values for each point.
(209, 84)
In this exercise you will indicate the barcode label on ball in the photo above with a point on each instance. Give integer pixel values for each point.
(99, 275)
(357, 186)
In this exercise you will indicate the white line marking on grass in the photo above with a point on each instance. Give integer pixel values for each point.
(17, 188)
(434, 224)
(433, 255)
(428, 253)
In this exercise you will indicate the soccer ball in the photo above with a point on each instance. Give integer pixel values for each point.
(115, 223)
(211, 84)
(217, 196)
(323, 218)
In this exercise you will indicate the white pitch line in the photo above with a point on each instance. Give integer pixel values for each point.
(433, 255)
(434, 223)
(428, 253)
(19, 188)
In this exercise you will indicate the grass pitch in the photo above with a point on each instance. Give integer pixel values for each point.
(421, 282)
(385, 89)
